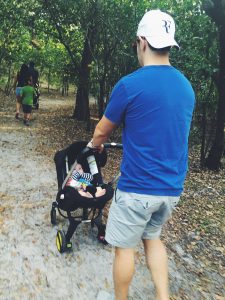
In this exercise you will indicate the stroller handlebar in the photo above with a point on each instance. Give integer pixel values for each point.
(113, 145)
(106, 146)
(85, 150)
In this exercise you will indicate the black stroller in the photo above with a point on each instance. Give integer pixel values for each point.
(36, 97)
(68, 198)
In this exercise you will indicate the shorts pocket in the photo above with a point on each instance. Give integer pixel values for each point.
(126, 199)
(173, 202)
(115, 195)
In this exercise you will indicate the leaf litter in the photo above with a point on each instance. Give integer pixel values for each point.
(195, 236)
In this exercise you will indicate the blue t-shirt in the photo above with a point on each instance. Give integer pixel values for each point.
(155, 105)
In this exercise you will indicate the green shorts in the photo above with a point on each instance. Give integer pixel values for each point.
(133, 217)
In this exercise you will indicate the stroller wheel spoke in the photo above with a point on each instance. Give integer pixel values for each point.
(59, 241)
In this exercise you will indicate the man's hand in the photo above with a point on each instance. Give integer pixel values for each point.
(94, 147)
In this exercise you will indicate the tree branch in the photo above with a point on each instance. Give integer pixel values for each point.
(60, 35)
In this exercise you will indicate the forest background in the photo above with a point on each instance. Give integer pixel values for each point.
(85, 47)
(81, 49)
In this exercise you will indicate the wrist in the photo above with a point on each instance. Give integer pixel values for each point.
(94, 145)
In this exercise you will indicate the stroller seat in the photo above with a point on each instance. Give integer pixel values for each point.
(68, 198)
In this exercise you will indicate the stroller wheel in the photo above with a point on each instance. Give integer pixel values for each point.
(101, 234)
(61, 243)
(101, 239)
(53, 216)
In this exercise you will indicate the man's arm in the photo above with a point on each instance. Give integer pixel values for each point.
(102, 131)
(115, 112)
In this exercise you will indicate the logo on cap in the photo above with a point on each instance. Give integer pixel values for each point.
(167, 24)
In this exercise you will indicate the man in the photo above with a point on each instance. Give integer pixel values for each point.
(155, 105)
(20, 80)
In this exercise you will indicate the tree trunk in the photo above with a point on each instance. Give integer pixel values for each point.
(203, 123)
(8, 84)
(101, 97)
(81, 111)
(49, 78)
(216, 12)
(65, 83)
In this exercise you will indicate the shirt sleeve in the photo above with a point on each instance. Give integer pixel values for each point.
(117, 104)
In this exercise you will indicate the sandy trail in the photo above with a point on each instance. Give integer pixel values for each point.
(31, 266)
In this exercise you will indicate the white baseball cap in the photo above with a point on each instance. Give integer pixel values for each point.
(158, 28)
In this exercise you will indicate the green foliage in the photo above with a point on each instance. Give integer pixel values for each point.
(115, 24)
(52, 33)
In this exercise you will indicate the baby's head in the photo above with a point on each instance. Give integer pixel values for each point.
(79, 168)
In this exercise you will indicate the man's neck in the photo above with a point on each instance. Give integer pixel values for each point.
(154, 58)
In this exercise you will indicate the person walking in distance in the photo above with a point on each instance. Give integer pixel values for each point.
(155, 106)
(20, 81)
(27, 93)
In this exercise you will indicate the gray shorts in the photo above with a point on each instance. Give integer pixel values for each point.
(133, 217)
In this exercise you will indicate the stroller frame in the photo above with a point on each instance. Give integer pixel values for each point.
(63, 242)
(36, 97)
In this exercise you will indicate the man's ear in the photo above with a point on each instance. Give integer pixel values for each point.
(143, 43)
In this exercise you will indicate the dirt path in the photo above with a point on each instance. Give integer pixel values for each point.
(31, 267)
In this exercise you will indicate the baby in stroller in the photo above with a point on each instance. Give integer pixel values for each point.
(80, 186)
(82, 182)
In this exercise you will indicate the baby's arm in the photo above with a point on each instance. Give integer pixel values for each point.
(100, 192)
